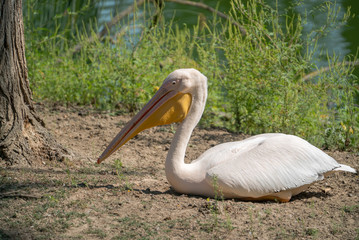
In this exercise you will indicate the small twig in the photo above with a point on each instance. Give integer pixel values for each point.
(159, 9)
(18, 195)
(325, 69)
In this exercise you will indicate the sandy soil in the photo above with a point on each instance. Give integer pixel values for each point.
(128, 196)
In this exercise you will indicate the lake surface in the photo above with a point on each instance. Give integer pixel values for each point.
(341, 41)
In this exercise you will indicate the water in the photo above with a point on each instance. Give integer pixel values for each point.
(339, 42)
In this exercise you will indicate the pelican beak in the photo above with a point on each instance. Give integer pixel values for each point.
(165, 107)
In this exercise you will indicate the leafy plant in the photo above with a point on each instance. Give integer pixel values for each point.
(119, 171)
(257, 64)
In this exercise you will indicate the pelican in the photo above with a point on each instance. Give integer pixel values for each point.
(270, 166)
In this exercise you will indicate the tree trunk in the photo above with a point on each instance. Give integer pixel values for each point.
(23, 137)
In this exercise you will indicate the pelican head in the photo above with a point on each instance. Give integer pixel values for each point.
(170, 104)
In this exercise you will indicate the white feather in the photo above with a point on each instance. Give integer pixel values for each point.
(345, 168)
(267, 163)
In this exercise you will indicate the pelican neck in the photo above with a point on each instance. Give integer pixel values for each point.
(176, 169)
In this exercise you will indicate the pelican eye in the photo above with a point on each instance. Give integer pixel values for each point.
(173, 82)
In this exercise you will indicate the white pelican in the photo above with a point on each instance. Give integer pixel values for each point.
(264, 167)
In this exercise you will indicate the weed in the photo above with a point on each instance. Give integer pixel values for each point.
(72, 181)
(216, 207)
(121, 176)
(351, 209)
(311, 232)
(268, 211)
(336, 228)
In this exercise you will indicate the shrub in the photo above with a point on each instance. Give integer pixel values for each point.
(257, 79)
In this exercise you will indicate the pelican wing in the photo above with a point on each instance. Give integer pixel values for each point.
(268, 163)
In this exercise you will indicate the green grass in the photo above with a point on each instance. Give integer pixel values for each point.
(351, 209)
(99, 233)
(256, 81)
(312, 232)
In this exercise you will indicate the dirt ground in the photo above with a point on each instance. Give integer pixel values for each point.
(128, 196)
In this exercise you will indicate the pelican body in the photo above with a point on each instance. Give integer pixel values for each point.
(270, 166)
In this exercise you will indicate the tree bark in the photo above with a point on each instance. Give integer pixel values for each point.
(23, 136)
